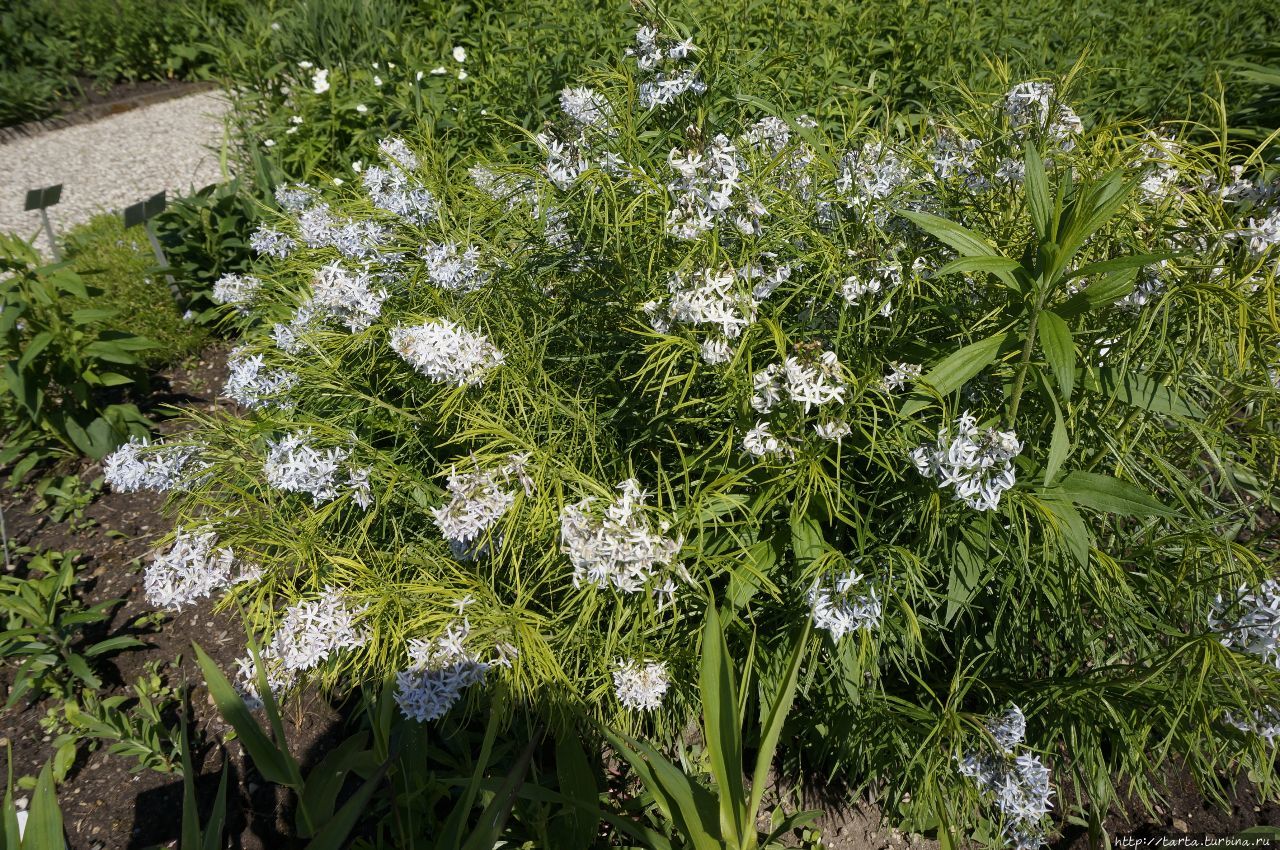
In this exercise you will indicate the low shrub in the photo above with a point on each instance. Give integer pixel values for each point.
(992, 405)
(127, 280)
(65, 368)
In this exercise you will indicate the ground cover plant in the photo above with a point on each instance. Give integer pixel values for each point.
(989, 404)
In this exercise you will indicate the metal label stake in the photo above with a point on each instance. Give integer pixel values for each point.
(142, 213)
(42, 199)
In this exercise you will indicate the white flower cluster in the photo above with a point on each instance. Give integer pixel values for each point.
(446, 352)
(871, 176)
(978, 465)
(1263, 233)
(271, 243)
(290, 337)
(478, 500)
(833, 430)
(310, 633)
(139, 465)
(704, 190)
(641, 686)
(1017, 784)
(235, 289)
(394, 190)
(845, 605)
(1249, 620)
(295, 198)
(585, 106)
(660, 58)
(706, 298)
(348, 296)
(356, 239)
(293, 465)
(439, 671)
(1265, 723)
(454, 270)
(192, 569)
(1035, 106)
(882, 277)
(566, 160)
(252, 384)
(760, 442)
(807, 381)
(901, 374)
(1160, 176)
(621, 548)
(1150, 285)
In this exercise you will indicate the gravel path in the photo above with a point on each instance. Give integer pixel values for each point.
(113, 162)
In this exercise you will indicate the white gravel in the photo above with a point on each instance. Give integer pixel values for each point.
(113, 162)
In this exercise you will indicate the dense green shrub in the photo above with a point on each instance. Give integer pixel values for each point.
(128, 281)
(51, 49)
(893, 61)
(993, 405)
(65, 367)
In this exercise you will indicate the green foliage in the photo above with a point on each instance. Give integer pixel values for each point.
(136, 724)
(51, 49)
(892, 60)
(45, 630)
(727, 815)
(63, 370)
(203, 236)
(121, 269)
(460, 791)
(1086, 294)
(43, 828)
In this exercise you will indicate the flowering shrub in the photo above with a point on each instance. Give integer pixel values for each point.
(993, 406)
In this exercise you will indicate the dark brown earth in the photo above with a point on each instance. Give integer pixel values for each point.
(108, 807)
(105, 805)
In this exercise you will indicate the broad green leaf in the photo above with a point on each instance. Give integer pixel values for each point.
(494, 817)
(78, 666)
(333, 834)
(1110, 495)
(114, 644)
(581, 822)
(320, 794)
(1143, 391)
(1059, 350)
(958, 367)
(38, 343)
(773, 724)
(968, 243)
(44, 824)
(718, 685)
(1128, 262)
(1071, 526)
(1059, 445)
(265, 754)
(92, 314)
(995, 265)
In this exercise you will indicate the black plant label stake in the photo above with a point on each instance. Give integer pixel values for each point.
(42, 199)
(142, 213)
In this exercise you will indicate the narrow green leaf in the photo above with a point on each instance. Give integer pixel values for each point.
(494, 817)
(320, 794)
(44, 823)
(333, 834)
(1071, 526)
(1139, 390)
(958, 367)
(773, 724)
(1037, 187)
(994, 265)
(213, 830)
(577, 782)
(1059, 445)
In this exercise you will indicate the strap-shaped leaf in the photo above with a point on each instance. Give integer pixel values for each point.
(267, 757)
(773, 724)
(722, 725)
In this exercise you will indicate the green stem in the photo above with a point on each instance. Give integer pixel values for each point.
(1024, 363)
